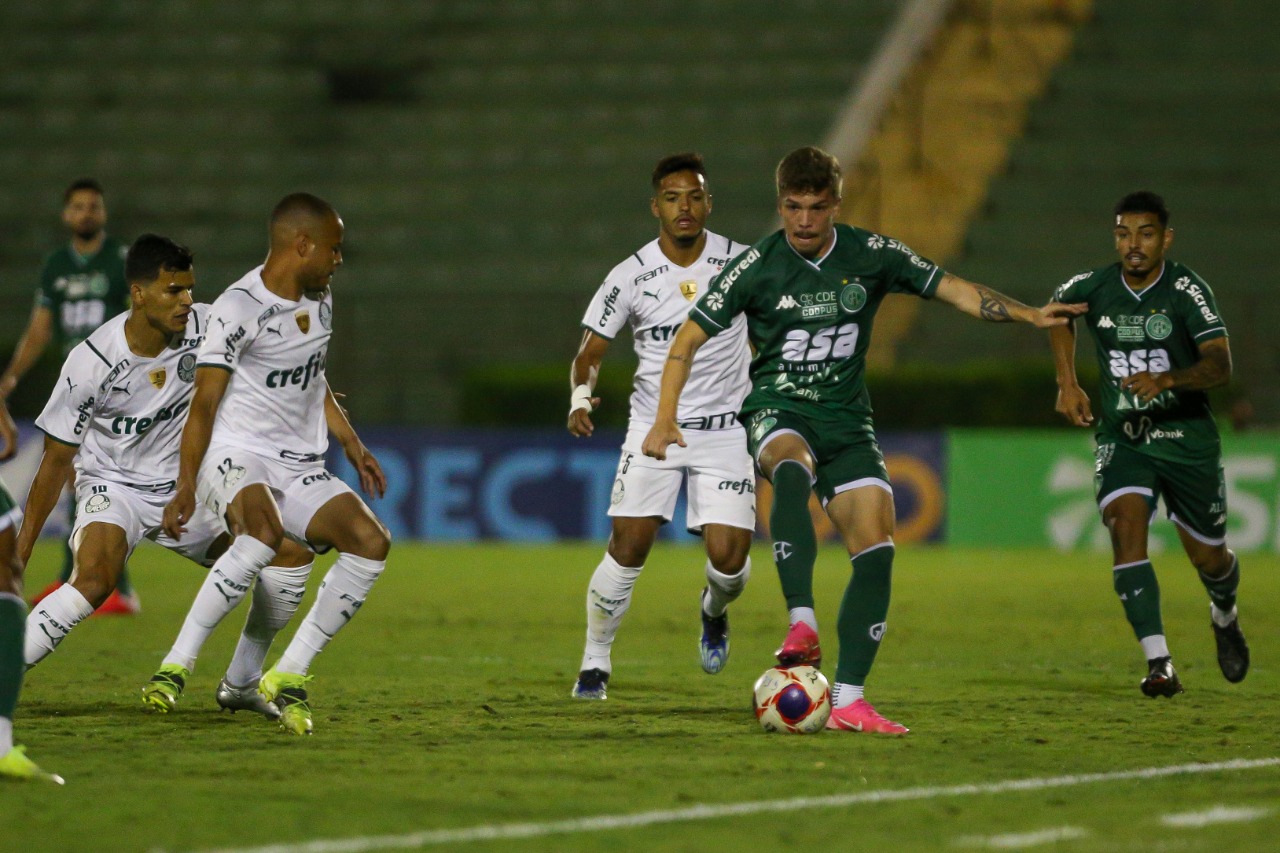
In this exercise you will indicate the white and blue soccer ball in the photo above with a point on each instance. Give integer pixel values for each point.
(792, 699)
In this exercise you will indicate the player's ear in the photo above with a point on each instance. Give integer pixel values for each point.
(1168, 238)
(135, 294)
(302, 245)
(653, 206)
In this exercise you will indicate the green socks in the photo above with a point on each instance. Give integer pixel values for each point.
(863, 612)
(1136, 585)
(1222, 591)
(795, 545)
(13, 623)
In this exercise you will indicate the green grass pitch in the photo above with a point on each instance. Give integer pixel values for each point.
(445, 704)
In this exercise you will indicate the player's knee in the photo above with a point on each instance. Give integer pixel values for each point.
(266, 528)
(628, 552)
(372, 540)
(11, 576)
(728, 555)
(94, 580)
(1212, 562)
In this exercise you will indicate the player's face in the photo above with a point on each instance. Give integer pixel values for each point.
(809, 220)
(85, 214)
(322, 255)
(166, 302)
(681, 205)
(1141, 243)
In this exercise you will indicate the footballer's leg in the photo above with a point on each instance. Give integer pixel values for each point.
(1127, 515)
(609, 597)
(864, 517)
(343, 522)
(277, 593)
(1219, 570)
(101, 549)
(728, 569)
(787, 460)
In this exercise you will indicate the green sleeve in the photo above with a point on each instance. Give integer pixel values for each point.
(1200, 309)
(727, 296)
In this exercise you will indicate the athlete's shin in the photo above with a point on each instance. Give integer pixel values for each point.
(863, 611)
(795, 545)
(342, 594)
(1135, 584)
(276, 597)
(51, 620)
(608, 598)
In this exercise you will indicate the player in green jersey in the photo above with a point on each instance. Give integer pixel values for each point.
(810, 293)
(81, 287)
(1160, 344)
(14, 764)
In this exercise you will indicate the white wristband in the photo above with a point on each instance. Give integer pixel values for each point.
(581, 399)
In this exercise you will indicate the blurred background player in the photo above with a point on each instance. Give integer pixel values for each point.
(14, 763)
(810, 292)
(254, 446)
(1161, 344)
(82, 285)
(117, 414)
(651, 291)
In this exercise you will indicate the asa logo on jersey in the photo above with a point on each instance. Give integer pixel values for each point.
(124, 425)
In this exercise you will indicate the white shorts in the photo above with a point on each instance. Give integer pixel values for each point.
(722, 480)
(140, 514)
(300, 488)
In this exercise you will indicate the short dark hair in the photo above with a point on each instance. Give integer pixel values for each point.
(152, 253)
(301, 205)
(1144, 201)
(688, 161)
(809, 170)
(81, 184)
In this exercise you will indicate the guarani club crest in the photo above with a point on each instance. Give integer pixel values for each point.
(1159, 327)
(853, 297)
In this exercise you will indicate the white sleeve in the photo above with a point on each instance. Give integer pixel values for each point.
(68, 415)
(230, 331)
(611, 306)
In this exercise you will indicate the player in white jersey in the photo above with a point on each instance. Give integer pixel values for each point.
(651, 292)
(116, 415)
(253, 450)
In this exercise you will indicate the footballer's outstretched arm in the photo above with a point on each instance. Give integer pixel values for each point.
(210, 388)
(33, 342)
(980, 301)
(1073, 402)
(372, 481)
(675, 373)
(583, 374)
(52, 475)
(1213, 370)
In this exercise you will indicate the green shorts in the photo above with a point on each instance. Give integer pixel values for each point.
(1194, 492)
(847, 454)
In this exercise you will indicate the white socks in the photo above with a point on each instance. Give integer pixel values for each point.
(608, 597)
(227, 583)
(803, 614)
(722, 589)
(1221, 619)
(1155, 646)
(341, 594)
(51, 620)
(276, 597)
(845, 694)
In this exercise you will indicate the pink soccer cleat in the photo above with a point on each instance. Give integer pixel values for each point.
(800, 647)
(861, 717)
(119, 605)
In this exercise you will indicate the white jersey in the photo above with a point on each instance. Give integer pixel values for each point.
(276, 351)
(124, 411)
(654, 296)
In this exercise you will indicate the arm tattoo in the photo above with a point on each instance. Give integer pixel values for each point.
(993, 306)
(1212, 370)
(671, 357)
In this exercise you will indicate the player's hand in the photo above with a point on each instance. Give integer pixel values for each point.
(660, 437)
(178, 511)
(8, 433)
(372, 481)
(1073, 404)
(1146, 386)
(1057, 314)
(580, 420)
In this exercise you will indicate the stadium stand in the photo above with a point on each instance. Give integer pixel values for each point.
(1151, 100)
(490, 157)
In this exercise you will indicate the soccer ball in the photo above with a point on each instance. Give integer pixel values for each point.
(794, 699)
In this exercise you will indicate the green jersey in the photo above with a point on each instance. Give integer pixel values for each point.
(810, 320)
(83, 293)
(1157, 329)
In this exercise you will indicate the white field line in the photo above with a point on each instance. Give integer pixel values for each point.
(1017, 841)
(508, 831)
(1217, 814)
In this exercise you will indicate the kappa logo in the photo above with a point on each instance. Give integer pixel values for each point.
(1106, 323)
(787, 301)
